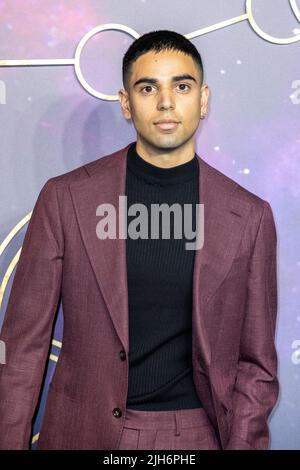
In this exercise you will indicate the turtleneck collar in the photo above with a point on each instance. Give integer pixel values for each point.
(157, 175)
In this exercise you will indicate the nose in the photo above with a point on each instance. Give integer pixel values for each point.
(165, 100)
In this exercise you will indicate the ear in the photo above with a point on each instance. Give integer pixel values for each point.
(124, 101)
(204, 99)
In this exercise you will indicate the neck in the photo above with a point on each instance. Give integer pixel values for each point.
(162, 176)
(165, 158)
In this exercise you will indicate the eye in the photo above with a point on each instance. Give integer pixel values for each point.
(179, 85)
(147, 86)
(184, 84)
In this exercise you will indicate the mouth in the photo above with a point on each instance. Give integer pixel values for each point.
(167, 125)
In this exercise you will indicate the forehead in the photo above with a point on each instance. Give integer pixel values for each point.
(163, 65)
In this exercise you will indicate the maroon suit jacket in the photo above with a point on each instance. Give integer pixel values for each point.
(233, 316)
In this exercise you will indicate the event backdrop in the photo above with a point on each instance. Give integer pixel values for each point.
(59, 75)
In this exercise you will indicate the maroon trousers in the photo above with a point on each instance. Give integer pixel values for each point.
(175, 429)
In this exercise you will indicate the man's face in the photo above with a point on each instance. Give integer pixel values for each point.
(161, 96)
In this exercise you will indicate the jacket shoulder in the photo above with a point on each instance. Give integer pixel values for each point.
(233, 187)
(87, 170)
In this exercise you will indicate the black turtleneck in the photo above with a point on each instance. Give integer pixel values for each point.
(160, 279)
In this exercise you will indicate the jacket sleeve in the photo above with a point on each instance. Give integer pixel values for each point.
(28, 320)
(256, 388)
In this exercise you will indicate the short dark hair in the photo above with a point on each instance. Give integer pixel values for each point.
(158, 41)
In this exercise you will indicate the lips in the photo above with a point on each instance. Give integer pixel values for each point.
(167, 124)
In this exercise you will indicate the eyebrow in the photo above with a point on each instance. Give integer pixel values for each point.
(153, 81)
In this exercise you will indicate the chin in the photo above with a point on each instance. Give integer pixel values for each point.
(170, 143)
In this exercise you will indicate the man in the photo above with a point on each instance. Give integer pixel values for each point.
(164, 347)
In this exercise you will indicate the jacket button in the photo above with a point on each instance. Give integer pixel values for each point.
(117, 412)
(123, 355)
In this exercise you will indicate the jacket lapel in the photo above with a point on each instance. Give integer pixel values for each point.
(107, 256)
(224, 219)
(225, 216)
